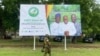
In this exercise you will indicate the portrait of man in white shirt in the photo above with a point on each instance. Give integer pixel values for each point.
(67, 28)
(54, 26)
(76, 24)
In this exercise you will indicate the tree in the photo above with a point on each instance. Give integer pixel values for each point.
(2, 30)
(9, 16)
(96, 18)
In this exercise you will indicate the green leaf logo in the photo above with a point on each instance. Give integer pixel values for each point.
(33, 11)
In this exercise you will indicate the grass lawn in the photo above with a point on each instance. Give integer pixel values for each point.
(8, 51)
(19, 48)
(29, 43)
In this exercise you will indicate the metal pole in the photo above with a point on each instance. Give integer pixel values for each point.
(65, 45)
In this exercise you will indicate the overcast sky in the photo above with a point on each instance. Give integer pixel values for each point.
(98, 1)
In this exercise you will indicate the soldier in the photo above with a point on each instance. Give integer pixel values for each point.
(46, 46)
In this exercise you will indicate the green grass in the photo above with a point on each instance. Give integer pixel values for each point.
(27, 51)
(8, 51)
(29, 43)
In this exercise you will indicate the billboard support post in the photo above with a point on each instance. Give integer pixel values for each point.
(65, 45)
(34, 39)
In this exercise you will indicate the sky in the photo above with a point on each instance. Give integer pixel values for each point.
(98, 1)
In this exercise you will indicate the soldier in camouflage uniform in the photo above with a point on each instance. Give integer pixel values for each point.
(46, 46)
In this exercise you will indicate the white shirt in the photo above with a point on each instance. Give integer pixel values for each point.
(67, 27)
(54, 28)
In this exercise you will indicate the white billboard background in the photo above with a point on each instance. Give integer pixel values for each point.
(33, 25)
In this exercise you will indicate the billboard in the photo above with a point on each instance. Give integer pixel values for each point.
(33, 20)
(64, 20)
(55, 20)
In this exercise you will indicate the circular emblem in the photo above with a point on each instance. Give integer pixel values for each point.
(33, 12)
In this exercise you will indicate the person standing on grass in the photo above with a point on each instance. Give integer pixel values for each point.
(46, 46)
